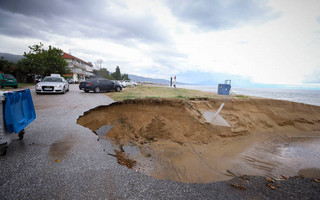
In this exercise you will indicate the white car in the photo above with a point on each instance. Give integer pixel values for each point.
(120, 83)
(131, 83)
(123, 84)
(52, 84)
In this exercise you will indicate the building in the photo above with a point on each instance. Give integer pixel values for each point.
(80, 70)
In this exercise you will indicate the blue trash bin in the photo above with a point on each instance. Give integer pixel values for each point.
(224, 89)
(19, 110)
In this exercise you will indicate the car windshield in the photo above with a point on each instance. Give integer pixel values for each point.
(7, 76)
(52, 79)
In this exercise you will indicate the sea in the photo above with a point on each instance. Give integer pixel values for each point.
(311, 97)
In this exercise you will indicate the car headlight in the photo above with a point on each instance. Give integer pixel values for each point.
(38, 85)
(58, 86)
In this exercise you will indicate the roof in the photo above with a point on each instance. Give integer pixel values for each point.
(69, 56)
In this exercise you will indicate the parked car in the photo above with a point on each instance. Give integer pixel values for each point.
(38, 78)
(70, 81)
(131, 83)
(123, 84)
(99, 84)
(8, 80)
(134, 83)
(51, 84)
(120, 83)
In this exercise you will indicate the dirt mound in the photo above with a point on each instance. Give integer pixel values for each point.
(263, 115)
(186, 147)
(150, 120)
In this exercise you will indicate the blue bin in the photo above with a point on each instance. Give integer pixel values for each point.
(224, 89)
(19, 110)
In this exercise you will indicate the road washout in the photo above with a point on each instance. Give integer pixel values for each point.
(261, 137)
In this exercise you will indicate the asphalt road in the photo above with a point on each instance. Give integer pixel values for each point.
(59, 159)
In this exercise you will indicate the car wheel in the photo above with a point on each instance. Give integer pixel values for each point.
(118, 89)
(68, 89)
(97, 90)
(64, 90)
(86, 91)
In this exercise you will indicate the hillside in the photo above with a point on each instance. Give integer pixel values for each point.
(10, 57)
(151, 80)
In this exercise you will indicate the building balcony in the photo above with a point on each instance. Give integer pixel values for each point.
(78, 65)
(82, 72)
(89, 70)
(89, 74)
(78, 71)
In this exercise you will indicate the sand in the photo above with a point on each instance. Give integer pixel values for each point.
(179, 142)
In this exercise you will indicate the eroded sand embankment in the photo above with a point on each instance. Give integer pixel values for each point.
(264, 137)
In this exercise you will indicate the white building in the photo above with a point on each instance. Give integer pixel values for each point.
(80, 70)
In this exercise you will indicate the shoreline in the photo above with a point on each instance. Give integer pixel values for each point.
(310, 97)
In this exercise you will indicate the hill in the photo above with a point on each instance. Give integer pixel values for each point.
(10, 57)
(150, 80)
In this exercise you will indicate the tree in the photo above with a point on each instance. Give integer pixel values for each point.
(117, 74)
(102, 73)
(7, 67)
(125, 77)
(108, 76)
(43, 62)
(54, 61)
(99, 64)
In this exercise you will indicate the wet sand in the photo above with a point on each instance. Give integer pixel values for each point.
(179, 141)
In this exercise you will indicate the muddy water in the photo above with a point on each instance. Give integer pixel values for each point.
(282, 157)
(180, 141)
(305, 151)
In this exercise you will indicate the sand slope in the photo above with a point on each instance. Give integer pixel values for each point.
(181, 145)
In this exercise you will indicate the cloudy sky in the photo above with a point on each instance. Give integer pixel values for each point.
(261, 41)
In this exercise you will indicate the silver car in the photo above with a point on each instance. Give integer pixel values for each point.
(51, 84)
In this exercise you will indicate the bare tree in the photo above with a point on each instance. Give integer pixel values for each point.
(99, 63)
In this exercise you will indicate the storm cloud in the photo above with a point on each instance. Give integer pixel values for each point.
(221, 14)
(267, 41)
(91, 19)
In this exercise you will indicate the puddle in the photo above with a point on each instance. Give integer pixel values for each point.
(305, 151)
(172, 139)
(287, 157)
(61, 147)
(310, 173)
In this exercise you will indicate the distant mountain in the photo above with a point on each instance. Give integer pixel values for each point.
(213, 79)
(10, 57)
(151, 80)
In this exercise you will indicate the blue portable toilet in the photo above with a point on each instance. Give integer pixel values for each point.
(224, 89)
